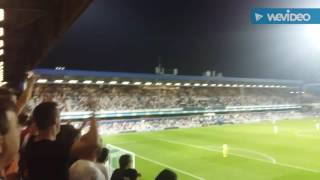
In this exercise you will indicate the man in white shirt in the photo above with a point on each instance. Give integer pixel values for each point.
(85, 170)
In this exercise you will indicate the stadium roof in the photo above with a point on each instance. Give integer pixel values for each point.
(120, 76)
(31, 29)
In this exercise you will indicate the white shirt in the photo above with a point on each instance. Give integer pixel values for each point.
(85, 170)
(104, 169)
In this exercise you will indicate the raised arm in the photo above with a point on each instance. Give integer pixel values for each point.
(26, 94)
(88, 142)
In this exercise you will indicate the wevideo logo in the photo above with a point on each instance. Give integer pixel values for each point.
(285, 16)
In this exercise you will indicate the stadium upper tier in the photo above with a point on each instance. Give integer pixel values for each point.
(125, 94)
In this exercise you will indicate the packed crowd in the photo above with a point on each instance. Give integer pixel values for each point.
(162, 123)
(40, 148)
(76, 97)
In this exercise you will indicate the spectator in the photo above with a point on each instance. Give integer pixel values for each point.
(125, 162)
(47, 158)
(167, 174)
(86, 168)
(131, 174)
(9, 133)
(102, 158)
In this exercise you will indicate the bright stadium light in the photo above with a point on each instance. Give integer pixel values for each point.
(1, 31)
(3, 83)
(235, 85)
(99, 82)
(87, 82)
(1, 14)
(73, 81)
(42, 80)
(113, 82)
(158, 84)
(205, 85)
(302, 92)
(266, 86)
(137, 83)
(213, 85)
(272, 86)
(58, 81)
(260, 86)
(125, 83)
(186, 84)
(248, 85)
(254, 85)
(220, 85)
(1, 52)
(197, 84)
(168, 84)
(177, 84)
(148, 83)
(241, 85)
(283, 86)
(227, 85)
(278, 86)
(291, 92)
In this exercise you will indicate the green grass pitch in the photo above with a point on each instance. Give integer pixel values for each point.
(255, 152)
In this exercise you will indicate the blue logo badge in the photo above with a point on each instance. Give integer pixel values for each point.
(285, 16)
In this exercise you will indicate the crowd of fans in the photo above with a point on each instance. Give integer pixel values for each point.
(40, 148)
(162, 123)
(75, 97)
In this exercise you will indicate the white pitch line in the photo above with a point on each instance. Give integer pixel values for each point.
(300, 133)
(273, 160)
(242, 156)
(170, 167)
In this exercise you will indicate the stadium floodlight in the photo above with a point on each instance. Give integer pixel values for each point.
(1, 52)
(1, 31)
(220, 85)
(302, 92)
(148, 83)
(235, 85)
(58, 81)
(168, 84)
(260, 86)
(227, 85)
(177, 84)
(241, 85)
(291, 92)
(205, 84)
(158, 84)
(73, 81)
(99, 82)
(266, 86)
(113, 82)
(137, 83)
(278, 86)
(272, 86)
(197, 84)
(254, 85)
(186, 84)
(87, 82)
(42, 80)
(248, 85)
(283, 86)
(213, 85)
(125, 83)
(3, 83)
(1, 14)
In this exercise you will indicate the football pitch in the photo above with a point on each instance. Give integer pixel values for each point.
(255, 152)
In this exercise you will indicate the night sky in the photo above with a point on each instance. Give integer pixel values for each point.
(191, 35)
